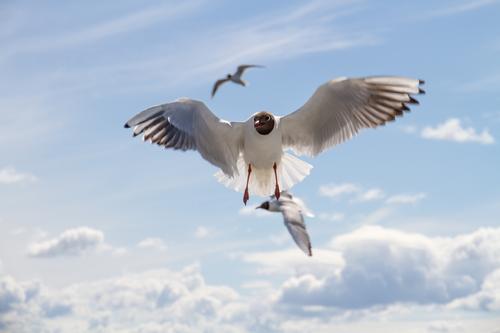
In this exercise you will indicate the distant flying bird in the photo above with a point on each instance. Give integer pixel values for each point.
(293, 210)
(335, 113)
(236, 77)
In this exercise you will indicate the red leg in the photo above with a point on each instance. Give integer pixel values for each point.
(277, 188)
(246, 196)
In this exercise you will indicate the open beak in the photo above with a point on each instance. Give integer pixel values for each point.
(257, 123)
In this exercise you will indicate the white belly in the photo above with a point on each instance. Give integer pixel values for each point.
(262, 151)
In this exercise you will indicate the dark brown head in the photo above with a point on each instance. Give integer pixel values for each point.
(263, 122)
(264, 205)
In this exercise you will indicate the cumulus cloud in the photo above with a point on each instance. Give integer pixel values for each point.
(71, 242)
(384, 266)
(153, 243)
(452, 130)
(293, 261)
(406, 198)
(151, 301)
(372, 271)
(10, 175)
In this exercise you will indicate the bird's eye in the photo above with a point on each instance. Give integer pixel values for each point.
(268, 118)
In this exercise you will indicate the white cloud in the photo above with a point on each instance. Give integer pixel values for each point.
(370, 195)
(151, 301)
(452, 130)
(384, 266)
(373, 275)
(293, 260)
(334, 191)
(201, 232)
(406, 198)
(152, 243)
(10, 175)
(71, 242)
(443, 326)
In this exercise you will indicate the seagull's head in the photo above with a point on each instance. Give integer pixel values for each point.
(264, 205)
(263, 122)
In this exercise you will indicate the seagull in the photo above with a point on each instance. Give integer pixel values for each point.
(293, 210)
(236, 77)
(252, 155)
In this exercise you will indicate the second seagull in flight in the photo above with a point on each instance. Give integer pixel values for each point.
(235, 78)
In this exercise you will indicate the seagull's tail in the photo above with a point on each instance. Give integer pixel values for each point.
(291, 170)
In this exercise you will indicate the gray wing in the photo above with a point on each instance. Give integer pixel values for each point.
(217, 84)
(242, 68)
(294, 221)
(340, 108)
(189, 125)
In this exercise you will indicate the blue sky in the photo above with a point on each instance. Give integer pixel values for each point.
(100, 231)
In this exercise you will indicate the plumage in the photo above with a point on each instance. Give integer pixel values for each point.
(293, 210)
(251, 154)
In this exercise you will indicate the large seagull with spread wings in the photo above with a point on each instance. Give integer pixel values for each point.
(252, 154)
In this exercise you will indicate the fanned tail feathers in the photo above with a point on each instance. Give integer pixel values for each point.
(291, 170)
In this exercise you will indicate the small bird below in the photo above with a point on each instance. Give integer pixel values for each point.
(293, 210)
(235, 78)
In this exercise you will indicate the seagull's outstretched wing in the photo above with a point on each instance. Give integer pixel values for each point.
(217, 84)
(242, 68)
(294, 221)
(188, 124)
(340, 108)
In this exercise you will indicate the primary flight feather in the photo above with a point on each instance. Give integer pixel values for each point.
(251, 154)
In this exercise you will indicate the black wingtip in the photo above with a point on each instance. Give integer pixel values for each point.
(126, 125)
(421, 91)
(421, 81)
(413, 101)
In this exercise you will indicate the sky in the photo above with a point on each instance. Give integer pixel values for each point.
(102, 232)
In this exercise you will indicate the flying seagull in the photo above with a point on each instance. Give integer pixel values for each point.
(251, 154)
(293, 211)
(236, 77)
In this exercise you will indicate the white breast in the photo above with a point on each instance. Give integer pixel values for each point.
(262, 151)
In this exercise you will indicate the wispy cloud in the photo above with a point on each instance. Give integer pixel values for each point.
(406, 198)
(452, 130)
(370, 195)
(99, 31)
(335, 191)
(377, 216)
(10, 175)
(283, 34)
(461, 7)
